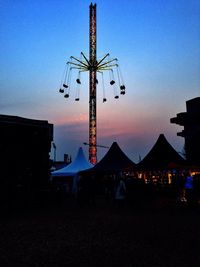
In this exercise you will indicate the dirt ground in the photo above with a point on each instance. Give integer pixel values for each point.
(156, 233)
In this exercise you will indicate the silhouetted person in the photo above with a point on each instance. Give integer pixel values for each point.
(120, 192)
(179, 185)
(81, 191)
(189, 189)
(91, 184)
(109, 188)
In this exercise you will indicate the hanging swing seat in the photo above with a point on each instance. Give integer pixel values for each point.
(61, 90)
(112, 82)
(65, 85)
(78, 81)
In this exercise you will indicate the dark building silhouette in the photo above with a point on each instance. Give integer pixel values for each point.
(190, 120)
(24, 159)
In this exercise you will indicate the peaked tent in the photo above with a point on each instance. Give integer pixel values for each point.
(114, 161)
(161, 156)
(79, 164)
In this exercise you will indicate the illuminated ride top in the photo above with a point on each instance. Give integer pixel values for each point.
(93, 66)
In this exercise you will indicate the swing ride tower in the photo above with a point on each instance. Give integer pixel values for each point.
(92, 65)
(92, 86)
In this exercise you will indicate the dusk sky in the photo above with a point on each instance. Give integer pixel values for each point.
(157, 43)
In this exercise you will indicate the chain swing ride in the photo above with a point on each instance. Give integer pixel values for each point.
(94, 66)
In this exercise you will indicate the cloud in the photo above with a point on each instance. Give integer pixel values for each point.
(72, 119)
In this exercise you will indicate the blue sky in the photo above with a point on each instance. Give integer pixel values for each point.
(158, 47)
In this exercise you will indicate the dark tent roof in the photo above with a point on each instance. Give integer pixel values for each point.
(161, 156)
(114, 161)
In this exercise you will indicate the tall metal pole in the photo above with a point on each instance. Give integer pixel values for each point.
(92, 87)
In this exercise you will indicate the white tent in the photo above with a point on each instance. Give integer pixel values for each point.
(79, 164)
